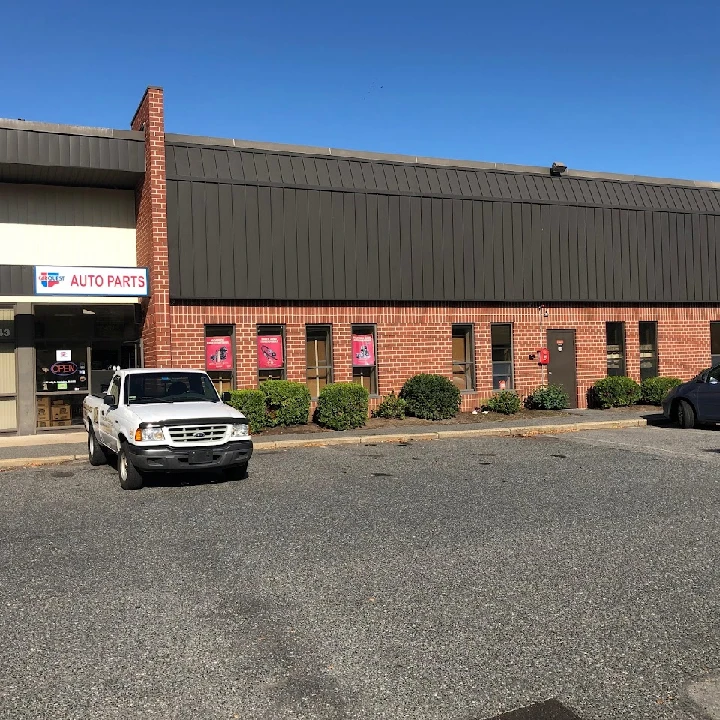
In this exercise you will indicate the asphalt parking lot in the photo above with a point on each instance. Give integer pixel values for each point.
(453, 579)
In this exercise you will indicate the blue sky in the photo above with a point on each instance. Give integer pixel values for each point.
(625, 86)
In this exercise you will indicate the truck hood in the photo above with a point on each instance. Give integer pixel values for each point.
(184, 411)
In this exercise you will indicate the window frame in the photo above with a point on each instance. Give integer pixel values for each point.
(714, 357)
(510, 383)
(218, 376)
(271, 329)
(655, 360)
(622, 352)
(467, 331)
(327, 329)
(370, 371)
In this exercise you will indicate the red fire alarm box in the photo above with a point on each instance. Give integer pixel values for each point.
(543, 356)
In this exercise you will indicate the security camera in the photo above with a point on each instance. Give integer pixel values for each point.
(558, 168)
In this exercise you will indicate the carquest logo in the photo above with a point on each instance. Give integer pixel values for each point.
(50, 279)
(199, 435)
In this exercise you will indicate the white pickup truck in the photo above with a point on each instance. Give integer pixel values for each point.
(165, 421)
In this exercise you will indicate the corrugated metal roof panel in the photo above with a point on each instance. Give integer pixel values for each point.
(386, 176)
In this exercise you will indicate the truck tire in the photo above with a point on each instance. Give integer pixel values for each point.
(237, 472)
(130, 476)
(685, 415)
(96, 452)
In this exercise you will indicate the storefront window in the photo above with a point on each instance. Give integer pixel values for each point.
(220, 356)
(463, 365)
(615, 338)
(76, 350)
(715, 343)
(502, 364)
(648, 350)
(319, 358)
(271, 352)
(364, 357)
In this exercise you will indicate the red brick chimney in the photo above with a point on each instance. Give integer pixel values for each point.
(151, 230)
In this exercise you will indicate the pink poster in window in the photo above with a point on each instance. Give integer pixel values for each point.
(218, 353)
(270, 351)
(363, 350)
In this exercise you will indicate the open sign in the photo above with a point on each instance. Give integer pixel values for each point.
(64, 369)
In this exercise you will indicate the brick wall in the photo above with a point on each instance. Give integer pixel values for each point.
(151, 229)
(417, 338)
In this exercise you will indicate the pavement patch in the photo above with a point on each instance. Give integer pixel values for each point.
(706, 695)
(548, 710)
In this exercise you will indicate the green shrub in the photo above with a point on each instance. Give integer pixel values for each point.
(653, 390)
(548, 397)
(614, 391)
(342, 406)
(391, 408)
(251, 403)
(506, 402)
(286, 403)
(431, 397)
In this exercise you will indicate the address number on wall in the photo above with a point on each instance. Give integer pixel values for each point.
(7, 330)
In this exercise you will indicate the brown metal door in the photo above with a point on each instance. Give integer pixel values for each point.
(562, 368)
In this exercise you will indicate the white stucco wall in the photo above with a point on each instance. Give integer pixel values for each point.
(44, 225)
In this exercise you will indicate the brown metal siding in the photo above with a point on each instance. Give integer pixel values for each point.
(16, 280)
(311, 228)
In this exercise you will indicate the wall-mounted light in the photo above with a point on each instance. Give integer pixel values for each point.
(558, 168)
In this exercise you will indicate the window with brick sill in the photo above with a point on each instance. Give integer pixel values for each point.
(271, 352)
(364, 357)
(463, 352)
(318, 349)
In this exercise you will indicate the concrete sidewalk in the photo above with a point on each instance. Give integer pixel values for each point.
(53, 448)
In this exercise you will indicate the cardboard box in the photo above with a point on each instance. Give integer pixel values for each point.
(43, 402)
(43, 423)
(61, 423)
(59, 402)
(61, 412)
(43, 413)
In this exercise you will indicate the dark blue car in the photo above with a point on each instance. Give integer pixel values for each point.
(696, 401)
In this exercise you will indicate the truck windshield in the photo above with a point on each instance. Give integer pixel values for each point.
(169, 387)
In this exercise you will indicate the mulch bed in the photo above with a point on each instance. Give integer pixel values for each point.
(463, 418)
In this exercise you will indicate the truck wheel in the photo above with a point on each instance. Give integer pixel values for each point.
(238, 472)
(685, 415)
(130, 477)
(96, 453)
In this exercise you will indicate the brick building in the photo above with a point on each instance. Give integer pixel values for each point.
(316, 264)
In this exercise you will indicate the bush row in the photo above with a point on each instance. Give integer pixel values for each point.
(621, 391)
(277, 403)
(343, 406)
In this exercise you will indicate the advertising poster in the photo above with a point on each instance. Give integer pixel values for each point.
(218, 353)
(363, 347)
(270, 351)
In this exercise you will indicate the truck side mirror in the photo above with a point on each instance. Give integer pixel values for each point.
(226, 397)
(108, 400)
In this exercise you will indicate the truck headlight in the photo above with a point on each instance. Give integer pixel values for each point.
(149, 433)
(239, 430)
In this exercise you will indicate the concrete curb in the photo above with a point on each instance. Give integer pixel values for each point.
(260, 445)
(522, 431)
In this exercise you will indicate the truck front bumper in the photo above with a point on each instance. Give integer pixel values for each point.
(164, 458)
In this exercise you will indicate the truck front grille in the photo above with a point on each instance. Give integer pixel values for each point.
(197, 433)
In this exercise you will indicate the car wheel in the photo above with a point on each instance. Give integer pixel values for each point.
(685, 415)
(130, 476)
(238, 472)
(96, 453)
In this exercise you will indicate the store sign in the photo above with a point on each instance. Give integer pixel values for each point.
(7, 330)
(105, 281)
(363, 347)
(218, 353)
(269, 351)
